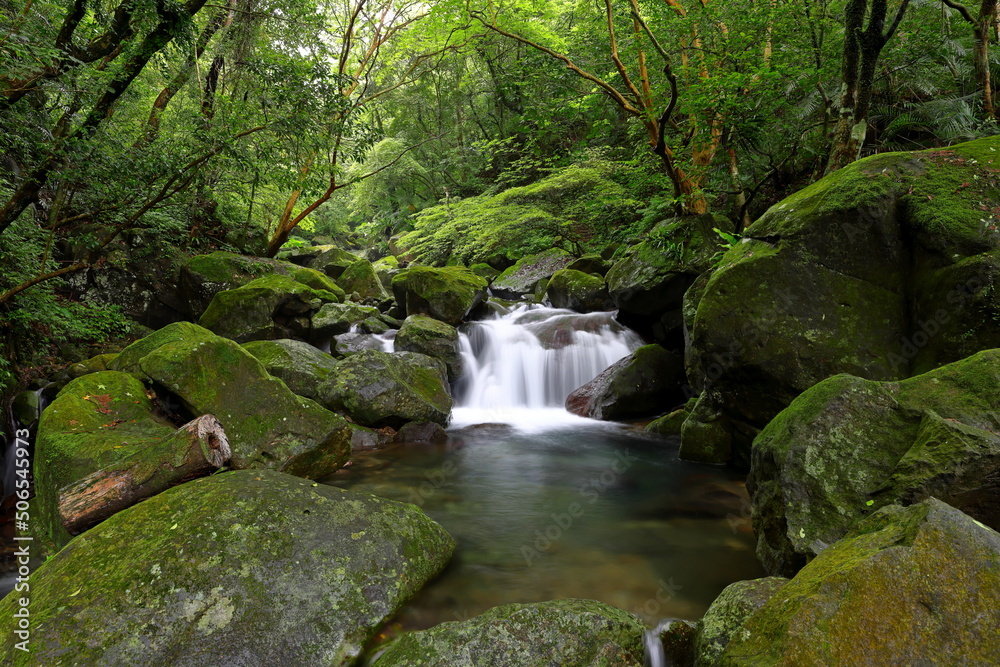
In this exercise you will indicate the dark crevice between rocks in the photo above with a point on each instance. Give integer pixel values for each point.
(169, 406)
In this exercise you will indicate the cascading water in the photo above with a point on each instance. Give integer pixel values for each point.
(531, 358)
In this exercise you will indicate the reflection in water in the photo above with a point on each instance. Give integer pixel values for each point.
(587, 510)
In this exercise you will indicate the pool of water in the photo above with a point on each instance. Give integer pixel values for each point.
(577, 509)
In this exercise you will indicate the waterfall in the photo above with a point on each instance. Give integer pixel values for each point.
(532, 357)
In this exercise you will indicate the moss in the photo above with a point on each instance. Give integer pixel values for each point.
(128, 360)
(578, 291)
(299, 365)
(434, 338)
(523, 277)
(447, 294)
(360, 278)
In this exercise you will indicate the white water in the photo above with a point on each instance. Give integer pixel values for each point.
(520, 366)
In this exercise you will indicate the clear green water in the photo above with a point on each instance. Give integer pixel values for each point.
(585, 510)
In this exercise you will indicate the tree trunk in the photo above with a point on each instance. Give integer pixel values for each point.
(194, 450)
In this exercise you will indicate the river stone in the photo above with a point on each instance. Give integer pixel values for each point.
(267, 424)
(581, 633)
(848, 446)
(266, 308)
(333, 262)
(434, 338)
(344, 345)
(522, 279)
(24, 407)
(360, 278)
(446, 294)
(299, 365)
(907, 586)
(669, 424)
(882, 270)
(334, 319)
(241, 568)
(381, 389)
(727, 614)
(96, 420)
(645, 382)
(578, 291)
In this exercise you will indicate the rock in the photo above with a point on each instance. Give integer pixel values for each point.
(360, 278)
(333, 262)
(581, 633)
(334, 319)
(447, 294)
(707, 434)
(381, 389)
(484, 271)
(422, 433)
(848, 446)
(644, 382)
(204, 276)
(879, 270)
(92, 365)
(96, 420)
(668, 425)
(647, 285)
(25, 407)
(344, 345)
(373, 325)
(267, 308)
(726, 616)
(385, 269)
(303, 255)
(907, 586)
(299, 365)
(268, 425)
(578, 291)
(677, 641)
(591, 263)
(522, 279)
(434, 338)
(250, 567)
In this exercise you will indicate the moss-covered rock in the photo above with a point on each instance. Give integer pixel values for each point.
(92, 365)
(385, 269)
(522, 279)
(334, 319)
(267, 308)
(333, 262)
(299, 365)
(848, 446)
(128, 360)
(581, 633)
(643, 383)
(250, 567)
(578, 291)
(25, 407)
(96, 420)
(447, 294)
(344, 345)
(434, 338)
(907, 586)
(380, 389)
(590, 263)
(882, 270)
(360, 278)
(726, 615)
(484, 271)
(669, 424)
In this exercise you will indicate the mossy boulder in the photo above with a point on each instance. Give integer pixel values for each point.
(521, 280)
(92, 365)
(248, 567)
(344, 345)
(268, 425)
(582, 292)
(25, 407)
(434, 338)
(590, 263)
(643, 383)
(582, 633)
(299, 365)
(906, 586)
(381, 389)
(333, 262)
(334, 319)
(96, 420)
(385, 269)
(669, 424)
(883, 269)
(848, 446)
(447, 294)
(267, 308)
(726, 615)
(360, 278)
(647, 284)
(484, 270)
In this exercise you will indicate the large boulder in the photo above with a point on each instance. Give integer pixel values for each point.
(724, 618)
(249, 567)
(268, 425)
(333, 262)
(267, 308)
(299, 365)
(381, 389)
(581, 633)
(648, 381)
(582, 292)
(96, 420)
(881, 270)
(848, 446)
(360, 278)
(447, 294)
(434, 338)
(907, 586)
(522, 279)
(334, 319)
(648, 283)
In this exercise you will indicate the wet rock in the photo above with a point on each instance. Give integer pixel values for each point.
(422, 433)
(246, 567)
(333, 262)
(578, 291)
(447, 294)
(347, 344)
(334, 319)
(726, 616)
(299, 365)
(434, 338)
(644, 382)
(360, 278)
(522, 279)
(25, 407)
(583, 633)
(591, 263)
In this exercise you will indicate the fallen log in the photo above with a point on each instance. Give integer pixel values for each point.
(194, 450)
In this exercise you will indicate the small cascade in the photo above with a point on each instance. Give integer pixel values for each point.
(533, 357)
(653, 642)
